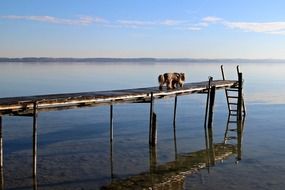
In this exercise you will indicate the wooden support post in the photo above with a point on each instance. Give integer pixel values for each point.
(211, 106)
(240, 100)
(239, 115)
(153, 131)
(175, 107)
(175, 142)
(35, 140)
(111, 161)
(111, 123)
(1, 156)
(1, 143)
(223, 74)
(150, 117)
(207, 101)
(206, 119)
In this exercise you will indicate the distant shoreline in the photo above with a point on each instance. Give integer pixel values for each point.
(136, 60)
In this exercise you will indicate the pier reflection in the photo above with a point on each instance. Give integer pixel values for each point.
(171, 175)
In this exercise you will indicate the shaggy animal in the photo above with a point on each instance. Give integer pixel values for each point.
(172, 80)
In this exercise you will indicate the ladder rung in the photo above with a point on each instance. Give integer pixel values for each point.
(229, 138)
(231, 103)
(233, 114)
(232, 96)
(232, 121)
(233, 110)
(230, 89)
(232, 129)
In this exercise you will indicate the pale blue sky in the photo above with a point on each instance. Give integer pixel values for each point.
(143, 28)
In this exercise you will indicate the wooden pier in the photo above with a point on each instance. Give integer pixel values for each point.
(33, 105)
(25, 105)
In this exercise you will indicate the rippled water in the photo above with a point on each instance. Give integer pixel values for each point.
(74, 149)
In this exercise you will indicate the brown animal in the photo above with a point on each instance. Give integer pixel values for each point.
(172, 80)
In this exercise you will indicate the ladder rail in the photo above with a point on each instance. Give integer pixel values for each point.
(226, 92)
(243, 105)
(231, 97)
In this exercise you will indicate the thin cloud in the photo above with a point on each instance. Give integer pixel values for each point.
(266, 27)
(172, 22)
(154, 23)
(274, 28)
(259, 27)
(135, 23)
(212, 19)
(82, 20)
(194, 28)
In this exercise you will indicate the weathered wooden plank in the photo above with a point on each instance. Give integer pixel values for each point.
(60, 101)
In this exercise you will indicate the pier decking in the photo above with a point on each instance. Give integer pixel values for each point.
(25, 105)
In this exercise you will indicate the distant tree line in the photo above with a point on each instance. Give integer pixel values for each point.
(136, 60)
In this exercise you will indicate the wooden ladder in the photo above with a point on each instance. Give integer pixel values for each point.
(232, 102)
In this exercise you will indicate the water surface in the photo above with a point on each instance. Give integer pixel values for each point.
(74, 148)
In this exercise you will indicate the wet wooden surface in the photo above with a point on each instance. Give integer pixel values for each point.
(24, 105)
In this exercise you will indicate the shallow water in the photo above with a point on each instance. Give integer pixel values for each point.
(74, 149)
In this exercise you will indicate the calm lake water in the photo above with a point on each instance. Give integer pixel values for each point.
(74, 149)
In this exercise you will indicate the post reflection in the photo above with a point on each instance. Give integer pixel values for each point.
(35, 183)
(2, 178)
(171, 175)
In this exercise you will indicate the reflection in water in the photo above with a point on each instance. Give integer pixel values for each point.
(171, 175)
(2, 178)
(35, 183)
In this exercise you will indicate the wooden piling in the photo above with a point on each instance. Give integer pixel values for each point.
(111, 161)
(153, 130)
(240, 99)
(239, 114)
(175, 107)
(35, 140)
(111, 123)
(211, 106)
(1, 155)
(150, 118)
(1, 143)
(175, 141)
(207, 101)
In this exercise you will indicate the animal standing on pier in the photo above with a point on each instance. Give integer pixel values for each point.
(172, 80)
